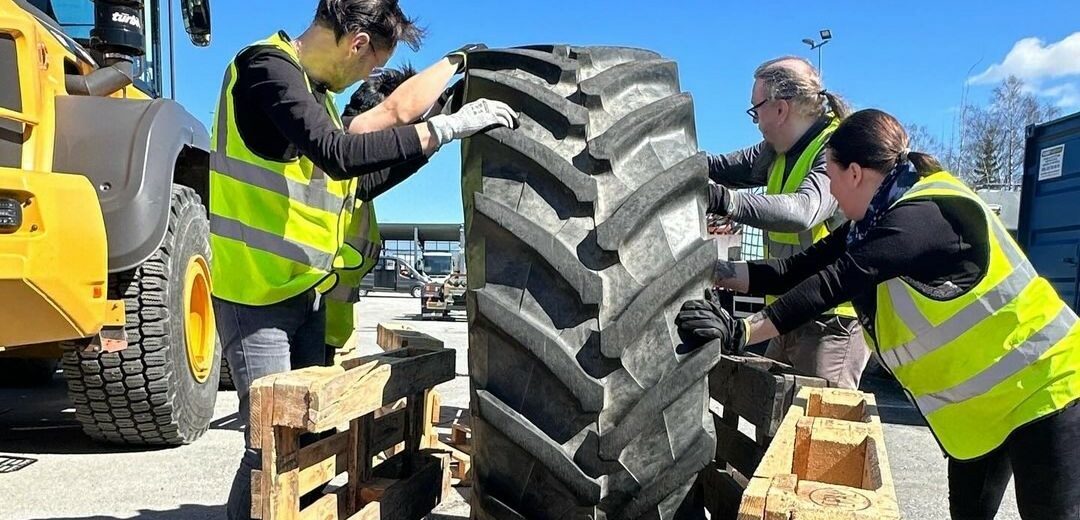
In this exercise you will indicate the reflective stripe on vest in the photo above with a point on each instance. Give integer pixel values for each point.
(780, 245)
(994, 358)
(276, 227)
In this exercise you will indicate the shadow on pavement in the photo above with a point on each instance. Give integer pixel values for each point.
(229, 422)
(41, 420)
(184, 512)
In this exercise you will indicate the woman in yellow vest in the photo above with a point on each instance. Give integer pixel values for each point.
(951, 306)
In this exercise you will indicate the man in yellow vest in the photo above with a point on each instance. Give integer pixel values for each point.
(283, 177)
(796, 116)
(363, 229)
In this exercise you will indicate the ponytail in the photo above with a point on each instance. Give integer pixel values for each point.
(837, 105)
(924, 163)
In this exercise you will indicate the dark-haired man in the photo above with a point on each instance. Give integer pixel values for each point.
(284, 173)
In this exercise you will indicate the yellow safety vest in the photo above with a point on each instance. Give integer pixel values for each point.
(781, 245)
(362, 238)
(988, 361)
(275, 227)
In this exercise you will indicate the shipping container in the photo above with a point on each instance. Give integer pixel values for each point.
(1049, 226)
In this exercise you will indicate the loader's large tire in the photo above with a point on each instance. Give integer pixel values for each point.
(162, 388)
(585, 233)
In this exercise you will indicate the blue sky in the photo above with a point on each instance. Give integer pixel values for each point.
(911, 58)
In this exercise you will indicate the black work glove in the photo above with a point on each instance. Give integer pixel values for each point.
(463, 53)
(701, 321)
(719, 199)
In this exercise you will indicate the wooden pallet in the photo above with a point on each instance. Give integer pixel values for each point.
(392, 336)
(755, 390)
(318, 400)
(827, 460)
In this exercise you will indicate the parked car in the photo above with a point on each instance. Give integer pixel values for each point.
(393, 274)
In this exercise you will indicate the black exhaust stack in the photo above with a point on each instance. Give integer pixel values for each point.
(118, 36)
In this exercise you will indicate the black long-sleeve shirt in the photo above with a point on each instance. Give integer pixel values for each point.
(279, 119)
(939, 246)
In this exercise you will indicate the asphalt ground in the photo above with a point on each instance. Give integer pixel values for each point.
(49, 469)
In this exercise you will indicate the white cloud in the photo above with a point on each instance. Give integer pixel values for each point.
(1067, 96)
(1033, 61)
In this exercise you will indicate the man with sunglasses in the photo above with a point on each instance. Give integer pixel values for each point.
(796, 116)
(284, 172)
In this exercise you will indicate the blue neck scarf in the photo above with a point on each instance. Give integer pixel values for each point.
(895, 185)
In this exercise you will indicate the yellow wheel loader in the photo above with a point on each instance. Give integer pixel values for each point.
(104, 251)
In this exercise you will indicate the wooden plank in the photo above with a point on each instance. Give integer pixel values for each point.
(256, 494)
(325, 508)
(372, 511)
(332, 446)
(779, 458)
(393, 336)
(284, 482)
(353, 463)
(320, 398)
(736, 449)
(409, 496)
(317, 475)
(262, 430)
(433, 410)
(388, 430)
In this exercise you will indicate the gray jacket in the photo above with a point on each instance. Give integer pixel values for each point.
(810, 204)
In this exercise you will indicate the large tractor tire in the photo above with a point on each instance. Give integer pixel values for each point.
(585, 233)
(162, 388)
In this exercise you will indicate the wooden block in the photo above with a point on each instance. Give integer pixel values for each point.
(393, 336)
(754, 498)
(460, 434)
(319, 398)
(781, 500)
(836, 452)
(374, 489)
(846, 405)
(827, 461)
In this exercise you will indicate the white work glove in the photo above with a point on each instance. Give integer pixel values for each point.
(471, 119)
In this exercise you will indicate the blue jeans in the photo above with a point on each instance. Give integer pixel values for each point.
(260, 341)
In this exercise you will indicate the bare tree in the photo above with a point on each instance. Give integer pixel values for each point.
(1012, 108)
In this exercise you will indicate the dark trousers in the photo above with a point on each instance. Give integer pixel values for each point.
(260, 341)
(1044, 458)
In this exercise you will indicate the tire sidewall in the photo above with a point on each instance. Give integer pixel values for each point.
(193, 401)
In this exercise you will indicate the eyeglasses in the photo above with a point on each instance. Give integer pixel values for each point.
(752, 111)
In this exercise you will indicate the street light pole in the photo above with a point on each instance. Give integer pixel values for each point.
(826, 37)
